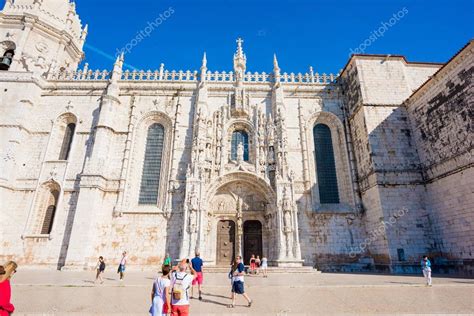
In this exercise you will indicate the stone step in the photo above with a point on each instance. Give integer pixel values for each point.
(220, 269)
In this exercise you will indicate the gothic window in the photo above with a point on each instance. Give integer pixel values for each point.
(6, 60)
(50, 212)
(325, 164)
(152, 165)
(237, 138)
(67, 141)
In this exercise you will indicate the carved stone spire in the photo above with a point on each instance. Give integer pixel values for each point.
(84, 32)
(240, 62)
(203, 68)
(113, 88)
(276, 69)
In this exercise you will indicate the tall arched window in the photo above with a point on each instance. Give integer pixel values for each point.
(67, 141)
(50, 212)
(237, 138)
(325, 164)
(152, 165)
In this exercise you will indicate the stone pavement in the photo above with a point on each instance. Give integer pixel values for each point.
(44, 292)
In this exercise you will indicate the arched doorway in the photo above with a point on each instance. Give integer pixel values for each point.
(252, 240)
(225, 242)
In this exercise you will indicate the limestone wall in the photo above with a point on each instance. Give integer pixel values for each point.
(441, 117)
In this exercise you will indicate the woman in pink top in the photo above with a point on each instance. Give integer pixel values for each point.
(6, 273)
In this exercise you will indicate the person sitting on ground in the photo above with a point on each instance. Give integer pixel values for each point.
(6, 273)
(180, 284)
(160, 293)
(100, 268)
(197, 264)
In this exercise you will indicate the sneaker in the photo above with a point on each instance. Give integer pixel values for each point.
(200, 298)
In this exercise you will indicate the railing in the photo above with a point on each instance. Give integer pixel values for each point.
(192, 76)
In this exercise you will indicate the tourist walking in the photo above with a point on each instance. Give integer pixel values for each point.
(252, 264)
(100, 268)
(197, 264)
(257, 264)
(122, 265)
(167, 261)
(264, 266)
(6, 273)
(160, 293)
(426, 268)
(180, 284)
(237, 272)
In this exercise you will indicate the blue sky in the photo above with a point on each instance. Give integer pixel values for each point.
(302, 33)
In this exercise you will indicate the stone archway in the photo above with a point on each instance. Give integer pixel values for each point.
(243, 198)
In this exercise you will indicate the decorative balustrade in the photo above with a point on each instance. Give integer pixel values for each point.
(192, 76)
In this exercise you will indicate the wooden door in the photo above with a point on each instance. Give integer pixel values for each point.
(225, 242)
(252, 240)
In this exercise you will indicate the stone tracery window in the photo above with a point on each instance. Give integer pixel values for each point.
(67, 141)
(325, 164)
(237, 138)
(152, 165)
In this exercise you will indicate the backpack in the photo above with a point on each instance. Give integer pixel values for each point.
(178, 289)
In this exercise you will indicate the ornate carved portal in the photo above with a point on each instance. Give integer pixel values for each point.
(245, 206)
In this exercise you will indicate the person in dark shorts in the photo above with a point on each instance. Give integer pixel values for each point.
(197, 264)
(237, 272)
(100, 268)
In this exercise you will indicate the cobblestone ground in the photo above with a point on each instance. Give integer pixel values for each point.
(41, 292)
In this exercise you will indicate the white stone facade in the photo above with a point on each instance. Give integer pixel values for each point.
(380, 159)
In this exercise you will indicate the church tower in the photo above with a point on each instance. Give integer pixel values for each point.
(40, 36)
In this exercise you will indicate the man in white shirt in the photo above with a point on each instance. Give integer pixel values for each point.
(180, 283)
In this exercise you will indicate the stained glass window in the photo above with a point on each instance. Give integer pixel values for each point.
(152, 165)
(325, 164)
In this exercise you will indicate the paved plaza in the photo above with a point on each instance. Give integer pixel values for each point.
(43, 292)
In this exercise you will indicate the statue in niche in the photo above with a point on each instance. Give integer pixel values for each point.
(208, 152)
(193, 200)
(287, 210)
(271, 132)
(239, 216)
(209, 129)
(221, 207)
(240, 153)
(192, 227)
(271, 155)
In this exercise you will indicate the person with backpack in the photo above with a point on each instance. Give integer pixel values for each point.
(237, 272)
(160, 294)
(180, 283)
(100, 268)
